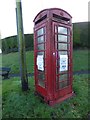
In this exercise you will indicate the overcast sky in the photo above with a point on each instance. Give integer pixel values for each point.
(77, 8)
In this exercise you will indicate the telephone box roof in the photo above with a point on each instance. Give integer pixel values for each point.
(53, 10)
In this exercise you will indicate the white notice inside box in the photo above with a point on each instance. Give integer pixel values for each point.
(40, 62)
(63, 62)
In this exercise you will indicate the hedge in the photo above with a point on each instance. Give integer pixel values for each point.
(10, 44)
(80, 34)
(80, 39)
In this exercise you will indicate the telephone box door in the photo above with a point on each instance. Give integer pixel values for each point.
(62, 59)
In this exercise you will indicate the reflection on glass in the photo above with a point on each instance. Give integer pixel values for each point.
(62, 46)
(41, 39)
(63, 77)
(62, 30)
(62, 38)
(41, 75)
(40, 32)
(41, 78)
(41, 47)
(40, 53)
(62, 52)
(68, 37)
(63, 84)
(68, 46)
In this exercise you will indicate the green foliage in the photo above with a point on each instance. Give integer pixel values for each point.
(18, 104)
(80, 35)
(10, 44)
(76, 36)
(80, 39)
(29, 41)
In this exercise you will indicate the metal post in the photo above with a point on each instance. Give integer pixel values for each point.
(21, 41)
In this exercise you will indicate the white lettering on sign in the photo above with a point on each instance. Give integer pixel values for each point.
(40, 62)
(63, 62)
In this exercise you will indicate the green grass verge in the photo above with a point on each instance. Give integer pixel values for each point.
(18, 104)
(12, 60)
(80, 61)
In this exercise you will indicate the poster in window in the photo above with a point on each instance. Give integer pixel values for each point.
(40, 62)
(63, 63)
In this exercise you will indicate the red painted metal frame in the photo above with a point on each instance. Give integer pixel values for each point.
(49, 93)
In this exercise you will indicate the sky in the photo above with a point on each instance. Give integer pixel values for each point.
(30, 8)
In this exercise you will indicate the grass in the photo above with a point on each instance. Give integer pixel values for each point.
(80, 61)
(12, 60)
(18, 104)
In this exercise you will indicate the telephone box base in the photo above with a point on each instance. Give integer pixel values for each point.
(53, 102)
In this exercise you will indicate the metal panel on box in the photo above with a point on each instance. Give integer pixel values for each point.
(53, 55)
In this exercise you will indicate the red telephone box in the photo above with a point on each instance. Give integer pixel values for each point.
(53, 55)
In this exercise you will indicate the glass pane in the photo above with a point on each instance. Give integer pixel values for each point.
(40, 53)
(41, 39)
(40, 32)
(41, 47)
(62, 46)
(68, 46)
(41, 78)
(41, 75)
(63, 84)
(63, 77)
(62, 30)
(62, 52)
(62, 38)
(59, 72)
